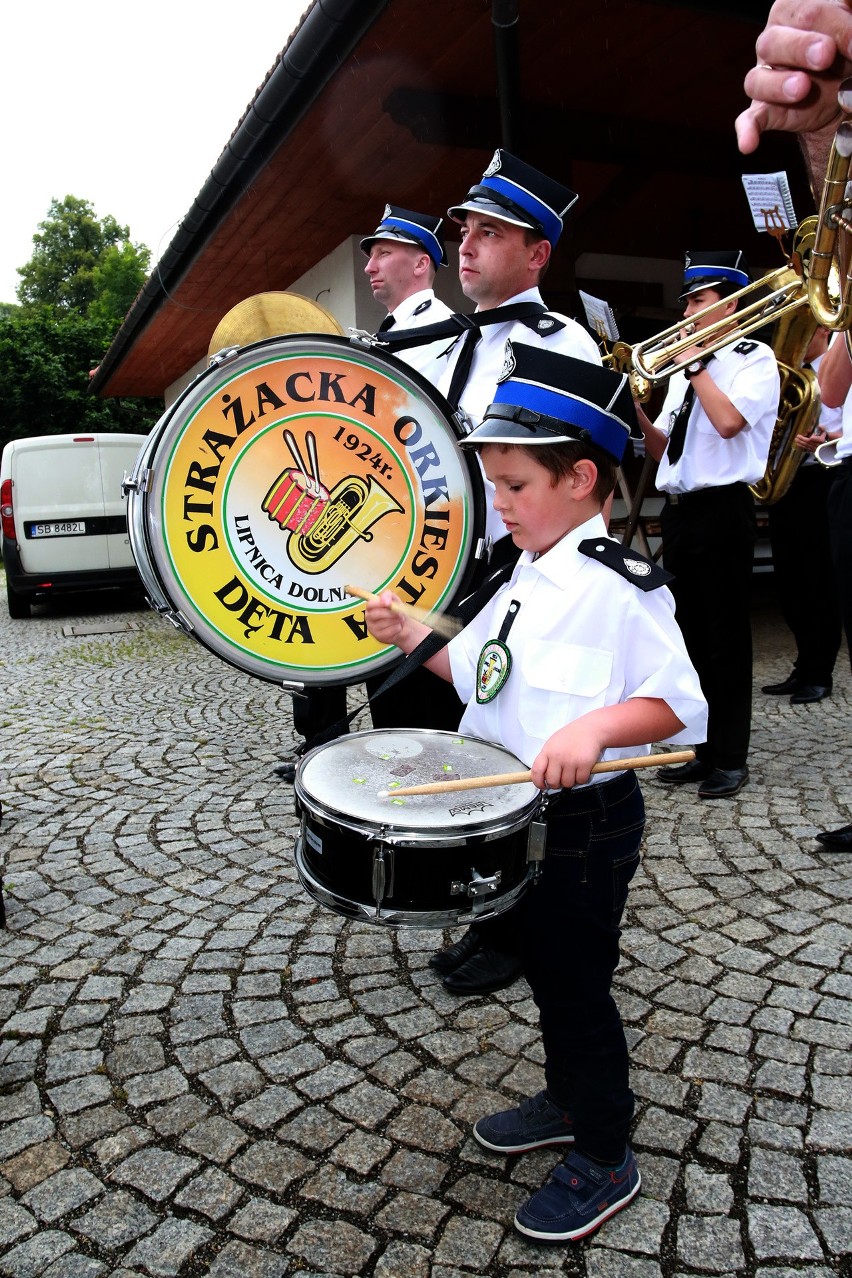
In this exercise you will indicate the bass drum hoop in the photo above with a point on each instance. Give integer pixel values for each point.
(149, 544)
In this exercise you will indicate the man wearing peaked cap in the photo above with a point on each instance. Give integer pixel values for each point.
(511, 221)
(712, 440)
(403, 256)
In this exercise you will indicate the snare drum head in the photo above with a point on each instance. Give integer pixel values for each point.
(345, 777)
(299, 466)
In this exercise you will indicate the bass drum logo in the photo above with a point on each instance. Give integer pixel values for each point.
(299, 468)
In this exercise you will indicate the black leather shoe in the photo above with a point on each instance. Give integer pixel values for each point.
(695, 770)
(485, 971)
(286, 771)
(783, 689)
(809, 692)
(722, 783)
(454, 955)
(837, 840)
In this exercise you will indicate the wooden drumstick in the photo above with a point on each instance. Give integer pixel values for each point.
(290, 441)
(446, 626)
(519, 778)
(311, 441)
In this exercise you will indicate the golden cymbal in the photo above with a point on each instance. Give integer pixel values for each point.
(270, 315)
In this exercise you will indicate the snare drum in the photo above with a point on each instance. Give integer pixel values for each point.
(288, 469)
(422, 861)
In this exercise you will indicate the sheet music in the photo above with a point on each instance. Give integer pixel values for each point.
(770, 201)
(599, 317)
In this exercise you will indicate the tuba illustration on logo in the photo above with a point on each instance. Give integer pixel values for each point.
(287, 469)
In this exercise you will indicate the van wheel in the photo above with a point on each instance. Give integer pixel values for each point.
(19, 605)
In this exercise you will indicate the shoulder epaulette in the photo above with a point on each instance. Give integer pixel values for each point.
(743, 348)
(424, 306)
(544, 325)
(643, 572)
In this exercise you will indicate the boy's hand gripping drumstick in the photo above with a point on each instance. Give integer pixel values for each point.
(519, 778)
(446, 626)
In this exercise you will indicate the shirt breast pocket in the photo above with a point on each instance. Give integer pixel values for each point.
(564, 681)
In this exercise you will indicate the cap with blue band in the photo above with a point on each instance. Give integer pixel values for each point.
(547, 398)
(407, 227)
(706, 270)
(515, 192)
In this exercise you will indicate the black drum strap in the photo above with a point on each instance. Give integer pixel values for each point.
(466, 611)
(456, 324)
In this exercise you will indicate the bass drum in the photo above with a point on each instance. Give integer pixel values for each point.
(289, 469)
(431, 860)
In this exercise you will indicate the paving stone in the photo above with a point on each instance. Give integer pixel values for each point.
(412, 1215)
(154, 1172)
(34, 1165)
(171, 1246)
(15, 1222)
(339, 1246)
(271, 1166)
(118, 1219)
(782, 1233)
(212, 1194)
(34, 1255)
(262, 1221)
(718, 1242)
(237, 1260)
(61, 1193)
(468, 1243)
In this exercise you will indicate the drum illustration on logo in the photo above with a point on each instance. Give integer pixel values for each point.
(296, 465)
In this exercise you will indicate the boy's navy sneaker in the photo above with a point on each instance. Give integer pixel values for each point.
(579, 1197)
(536, 1122)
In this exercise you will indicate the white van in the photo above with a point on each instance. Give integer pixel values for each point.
(64, 516)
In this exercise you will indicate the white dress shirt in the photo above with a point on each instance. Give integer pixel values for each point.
(415, 312)
(487, 366)
(584, 637)
(750, 380)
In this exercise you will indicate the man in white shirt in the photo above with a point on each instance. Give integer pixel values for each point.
(510, 222)
(712, 440)
(403, 256)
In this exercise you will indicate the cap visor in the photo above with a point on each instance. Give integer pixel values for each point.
(487, 209)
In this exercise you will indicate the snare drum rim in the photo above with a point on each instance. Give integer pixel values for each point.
(396, 833)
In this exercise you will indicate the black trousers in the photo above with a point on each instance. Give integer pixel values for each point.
(708, 543)
(840, 537)
(804, 576)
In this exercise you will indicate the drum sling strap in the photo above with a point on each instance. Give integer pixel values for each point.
(457, 324)
(465, 612)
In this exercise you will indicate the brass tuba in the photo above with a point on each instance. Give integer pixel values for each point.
(354, 505)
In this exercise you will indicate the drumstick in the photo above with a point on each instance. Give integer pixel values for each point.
(519, 778)
(446, 626)
(311, 441)
(290, 441)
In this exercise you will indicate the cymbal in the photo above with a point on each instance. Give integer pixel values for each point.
(270, 315)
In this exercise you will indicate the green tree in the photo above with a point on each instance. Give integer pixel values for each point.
(80, 260)
(74, 293)
(45, 365)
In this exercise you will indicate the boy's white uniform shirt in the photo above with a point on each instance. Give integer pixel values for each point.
(487, 367)
(415, 312)
(584, 638)
(750, 380)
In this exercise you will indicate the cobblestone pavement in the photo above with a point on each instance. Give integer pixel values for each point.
(202, 1072)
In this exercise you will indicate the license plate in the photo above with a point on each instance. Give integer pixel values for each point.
(66, 528)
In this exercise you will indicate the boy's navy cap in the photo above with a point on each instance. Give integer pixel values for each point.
(546, 398)
(516, 192)
(709, 270)
(409, 228)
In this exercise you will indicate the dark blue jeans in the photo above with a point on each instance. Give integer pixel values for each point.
(573, 917)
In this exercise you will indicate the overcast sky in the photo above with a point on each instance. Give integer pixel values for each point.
(126, 107)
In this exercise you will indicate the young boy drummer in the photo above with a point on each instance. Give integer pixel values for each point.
(578, 658)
